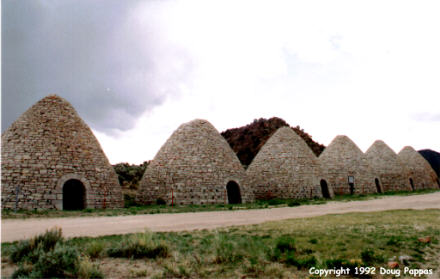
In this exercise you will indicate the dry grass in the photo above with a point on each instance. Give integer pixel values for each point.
(280, 249)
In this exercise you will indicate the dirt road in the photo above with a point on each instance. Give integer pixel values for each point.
(13, 229)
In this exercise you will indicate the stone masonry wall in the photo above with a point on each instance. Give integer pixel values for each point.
(387, 165)
(419, 170)
(193, 167)
(342, 158)
(48, 145)
(285, 167)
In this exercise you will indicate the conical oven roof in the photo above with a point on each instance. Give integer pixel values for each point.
(285, 167)
(387, 165)
(194, 166)
(420, 172)
(346, 167)
(46, 147)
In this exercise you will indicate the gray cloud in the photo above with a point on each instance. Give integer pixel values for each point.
(88, 52)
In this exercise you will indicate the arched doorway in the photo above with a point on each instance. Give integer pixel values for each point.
(411, 182)
(74, 195)
(379, 190)
(324, 189)
(351, 184)
(233, 190)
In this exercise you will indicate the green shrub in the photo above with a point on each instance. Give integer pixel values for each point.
(95, 249)
(49, 239)
(22, 271)
(336, 263)
(313, 241)
(394, 241)
(285, 244)
(30, 249)
(293, 203)
(300, 262)
(87, 270)
(290, 259)
(136, 251)
(59, 262)
(286, 252)
(276, 201)
(275, 255)
(130, 175)
(139, 246)
(20, 251)
(369, 258)
(306, 262)
(47, 256)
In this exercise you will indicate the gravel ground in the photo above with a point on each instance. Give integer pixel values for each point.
(16, 229)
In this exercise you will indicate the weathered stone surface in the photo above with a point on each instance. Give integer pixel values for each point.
(285, 167)
(341, 159)
(193, 167)
(48, 145)
(387, 165)
(419, 170)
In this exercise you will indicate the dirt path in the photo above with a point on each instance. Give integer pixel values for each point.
(16, 229)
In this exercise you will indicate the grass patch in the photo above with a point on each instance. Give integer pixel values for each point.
(370, 258)
(48, 256)
(30, 249)
(136, 246)
(161, 207)
(284, 249)
(95, 249)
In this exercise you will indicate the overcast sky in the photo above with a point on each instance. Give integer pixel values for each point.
(136, 70)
